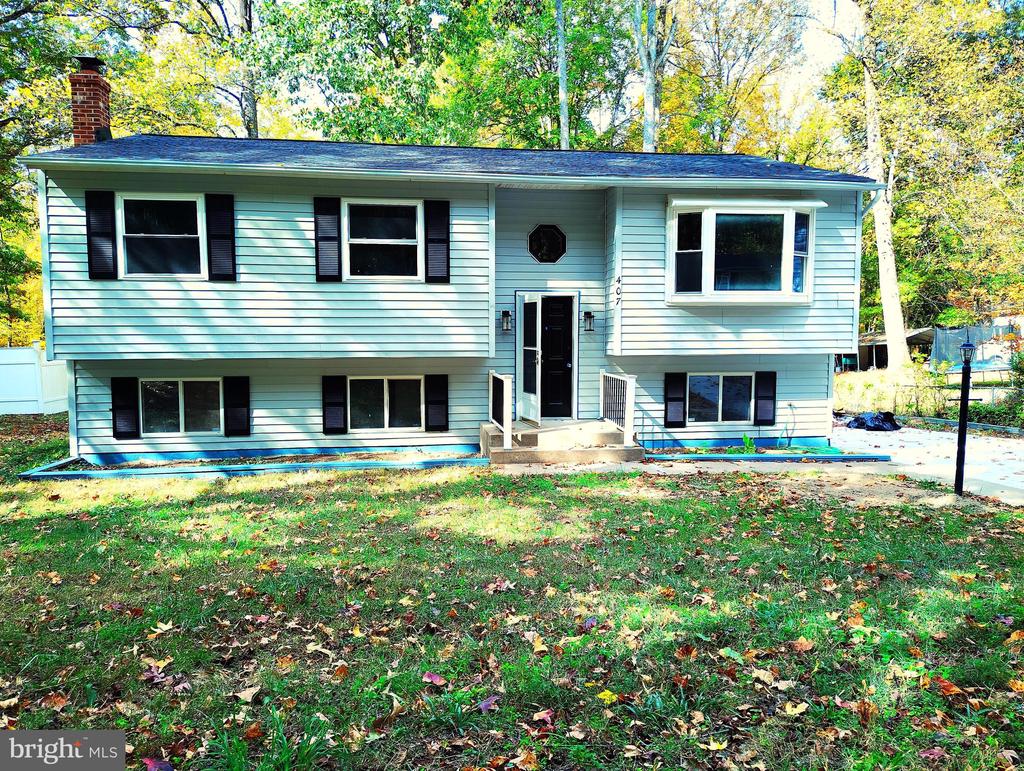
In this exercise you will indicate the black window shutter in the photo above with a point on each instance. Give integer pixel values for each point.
(236, 406)
(675, 400)
(327, 238)
(220, 236)
(124, 407)
(438, 221)
(764, 399)
(335, 404)
(100, 234)
(435, 388)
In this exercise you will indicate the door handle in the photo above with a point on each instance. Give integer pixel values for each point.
(568, 365)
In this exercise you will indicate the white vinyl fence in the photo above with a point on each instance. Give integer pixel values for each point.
(29, 384)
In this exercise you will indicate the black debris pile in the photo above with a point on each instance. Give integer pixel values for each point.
(875, 421)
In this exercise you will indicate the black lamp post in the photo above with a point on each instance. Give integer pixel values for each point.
(967, 355)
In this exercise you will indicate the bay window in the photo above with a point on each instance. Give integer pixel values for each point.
(740, 251)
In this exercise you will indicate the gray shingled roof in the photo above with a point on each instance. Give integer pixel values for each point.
(412, 159)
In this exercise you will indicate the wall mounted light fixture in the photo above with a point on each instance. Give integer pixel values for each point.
(588, 321)
(506, 321)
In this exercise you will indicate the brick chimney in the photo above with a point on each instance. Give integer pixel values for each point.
(90, 102)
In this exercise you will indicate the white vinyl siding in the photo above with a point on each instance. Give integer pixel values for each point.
(276, 308)
(802, 396)
(652, 328)
(581, 216)
(287, 405)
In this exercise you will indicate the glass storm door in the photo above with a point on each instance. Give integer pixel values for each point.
(528, 382)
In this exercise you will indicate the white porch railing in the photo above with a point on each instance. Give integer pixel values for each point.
(618, 402)
(500, 405)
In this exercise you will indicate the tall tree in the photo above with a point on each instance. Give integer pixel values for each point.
(563, 78)
(735, 49)
(500, 83)
(655, 23)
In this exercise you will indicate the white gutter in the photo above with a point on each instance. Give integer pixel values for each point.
(74, 164)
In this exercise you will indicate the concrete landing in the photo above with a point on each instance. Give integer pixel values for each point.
(578, 441)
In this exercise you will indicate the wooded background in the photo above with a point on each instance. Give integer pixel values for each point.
(927, 96)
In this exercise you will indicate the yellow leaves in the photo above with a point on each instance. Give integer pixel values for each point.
(53, 577)
(162, 627)
(667, 592)
(793, 710)
(94, 579)
(1015, 641)
(1017, 686)
(608, 697)
(714, 745)
(356, 632)
(802, 645)
(157, 664)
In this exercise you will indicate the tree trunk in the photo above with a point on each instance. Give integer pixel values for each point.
(563, 79)
(650, 112)
(888, 281)
(249, 101)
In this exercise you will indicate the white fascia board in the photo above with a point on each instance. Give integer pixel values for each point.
(746, 203)
(69, 164)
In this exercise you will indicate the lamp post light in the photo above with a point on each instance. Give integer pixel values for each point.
(967, 355)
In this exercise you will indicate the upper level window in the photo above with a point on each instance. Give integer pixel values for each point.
(383, 240)
(161, 235)
(722, 252)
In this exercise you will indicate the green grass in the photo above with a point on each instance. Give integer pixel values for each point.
(620, 620)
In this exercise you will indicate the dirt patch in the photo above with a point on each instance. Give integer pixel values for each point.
(33, 428)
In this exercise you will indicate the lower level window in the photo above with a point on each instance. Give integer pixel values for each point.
(385, 402)
(181, 406)
(720, 398)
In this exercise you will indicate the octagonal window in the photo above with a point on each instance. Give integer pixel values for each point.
(547, 243)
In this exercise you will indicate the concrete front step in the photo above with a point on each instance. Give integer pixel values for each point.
(613, 454)
(557, 436)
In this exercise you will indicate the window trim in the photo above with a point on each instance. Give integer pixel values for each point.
(709, 211)
(122, 254)
(420, 243)
(387, 398)
(721, 385)
(181, 406)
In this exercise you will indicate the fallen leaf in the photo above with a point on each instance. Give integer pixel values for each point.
(55, 701)
(489, 703)
(430, 677)
(795, 709)
(246, 695)
(802, 645)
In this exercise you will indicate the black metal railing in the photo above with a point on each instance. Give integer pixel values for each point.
(613, 404)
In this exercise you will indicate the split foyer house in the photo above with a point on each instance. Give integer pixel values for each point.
(226, 297)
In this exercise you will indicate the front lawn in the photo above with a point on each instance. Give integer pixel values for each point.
(463, 618)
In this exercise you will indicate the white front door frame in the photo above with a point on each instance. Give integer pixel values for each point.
(528, 406)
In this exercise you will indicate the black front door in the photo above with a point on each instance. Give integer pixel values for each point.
(556, 327)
